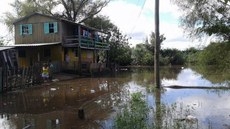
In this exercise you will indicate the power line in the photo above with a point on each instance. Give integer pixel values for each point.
(142, 7)
(141, 10)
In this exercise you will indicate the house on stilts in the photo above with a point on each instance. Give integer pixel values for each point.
(71, 47)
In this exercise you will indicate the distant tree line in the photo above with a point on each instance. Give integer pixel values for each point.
(142, 56)
(215, 54)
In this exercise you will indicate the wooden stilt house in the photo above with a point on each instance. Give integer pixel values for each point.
(70, 46)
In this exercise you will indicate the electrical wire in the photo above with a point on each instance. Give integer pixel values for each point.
(142, 7)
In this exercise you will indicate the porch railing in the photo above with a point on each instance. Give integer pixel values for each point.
(85, 42)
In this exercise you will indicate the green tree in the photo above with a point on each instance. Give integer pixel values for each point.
(3, 41)
(215, 54)
(101, 22)
(150, 43)
(120, 51)
(73, 10)
(191, 55)
(142, 56)
(172, 56)
(205, 17)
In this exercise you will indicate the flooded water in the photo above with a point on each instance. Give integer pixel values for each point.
(57, 106)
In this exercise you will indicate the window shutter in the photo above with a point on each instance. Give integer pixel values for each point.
(55, 27)
(46, 28)
(30, 28)
(20, 29)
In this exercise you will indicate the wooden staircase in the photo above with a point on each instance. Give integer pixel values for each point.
(10, 58)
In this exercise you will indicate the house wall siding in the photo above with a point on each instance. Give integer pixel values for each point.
(86, 55)
(67, 30)
(32, 53)
(56, 53)
(38, 35)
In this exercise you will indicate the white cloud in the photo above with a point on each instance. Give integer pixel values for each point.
(122, 14)
(187, 77)
(126, 16)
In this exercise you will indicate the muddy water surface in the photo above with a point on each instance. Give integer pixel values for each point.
(56, 106)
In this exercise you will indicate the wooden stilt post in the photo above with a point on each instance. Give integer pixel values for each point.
(1, 80)
(81, 113)
(79, 49)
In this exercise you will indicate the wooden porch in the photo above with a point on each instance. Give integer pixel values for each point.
(84, 37)
(87, 43)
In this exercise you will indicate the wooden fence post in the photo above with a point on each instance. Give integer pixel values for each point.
(1, 80)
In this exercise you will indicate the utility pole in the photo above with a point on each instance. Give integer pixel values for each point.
(157, 46)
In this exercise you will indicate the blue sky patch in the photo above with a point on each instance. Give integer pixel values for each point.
(168, 17)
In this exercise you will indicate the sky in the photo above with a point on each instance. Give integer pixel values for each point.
(135, 18)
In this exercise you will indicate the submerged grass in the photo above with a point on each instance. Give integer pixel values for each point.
(137, 115)
(133, 116)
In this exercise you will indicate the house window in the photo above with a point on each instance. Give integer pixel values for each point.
(21, 53)
(25, 29)
(50, 27)
(47, 52)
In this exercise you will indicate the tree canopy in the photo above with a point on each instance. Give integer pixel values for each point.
(4, 40)
(120, 51)
(151, 42)
(73, 10)
(210, 17)
(1, 41)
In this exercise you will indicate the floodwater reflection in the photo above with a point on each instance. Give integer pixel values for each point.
(56, 106)
(188, 77)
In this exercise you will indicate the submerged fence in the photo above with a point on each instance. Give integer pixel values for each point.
(19, 78)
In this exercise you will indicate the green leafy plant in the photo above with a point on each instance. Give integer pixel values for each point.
(133, 116)
(137, 115)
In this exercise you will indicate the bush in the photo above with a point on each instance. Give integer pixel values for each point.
(216, 54)
(133, 116)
